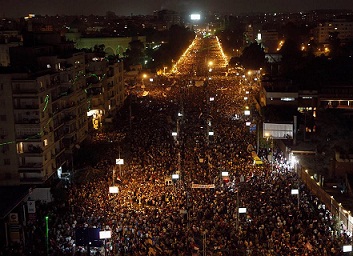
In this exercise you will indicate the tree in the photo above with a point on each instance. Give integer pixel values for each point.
(134, 55)
(253, 56)
(291, 58)
(176, 40)
(335, 43)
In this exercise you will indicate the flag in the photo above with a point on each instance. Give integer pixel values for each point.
(309, 246)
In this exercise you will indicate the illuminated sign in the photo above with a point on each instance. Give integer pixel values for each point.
(113, 190)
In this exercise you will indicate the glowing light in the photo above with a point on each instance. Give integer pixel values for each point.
(195, 16)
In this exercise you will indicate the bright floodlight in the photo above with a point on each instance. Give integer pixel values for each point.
(210, 133)
(248, 123)
(175, 176)
(347, 248)
(174, 134)
(195, 16)
(247, 112)
(105, 234)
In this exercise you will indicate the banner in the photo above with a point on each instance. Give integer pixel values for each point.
(202, 186)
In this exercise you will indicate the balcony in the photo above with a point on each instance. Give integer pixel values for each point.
(31, 91)
(32, 180)
(32, 149)
(26, 106)
(28, 121)
(31, 167)
(29, 137)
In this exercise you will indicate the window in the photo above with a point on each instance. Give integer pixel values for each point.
(45, 142)
(5, 148)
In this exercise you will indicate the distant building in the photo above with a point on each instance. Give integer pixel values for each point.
(268, 38)
(342, 27)
(168, 17)
(8, 39)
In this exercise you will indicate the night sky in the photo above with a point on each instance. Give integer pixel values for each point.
(19, 8)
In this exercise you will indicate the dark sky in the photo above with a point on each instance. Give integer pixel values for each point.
(18, 8)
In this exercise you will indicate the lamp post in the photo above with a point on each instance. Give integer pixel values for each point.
(119, 162)
(241, 180)
(105, 234)
(269, 136)
(47, 233)
(144, 76)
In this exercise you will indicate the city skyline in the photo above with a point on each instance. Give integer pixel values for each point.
(17, 8)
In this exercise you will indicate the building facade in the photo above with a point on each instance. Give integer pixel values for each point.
(45, 111)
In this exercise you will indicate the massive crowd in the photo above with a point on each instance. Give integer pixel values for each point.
(151, 217)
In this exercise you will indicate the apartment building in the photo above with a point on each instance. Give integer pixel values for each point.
(106, 88)
(46, 102)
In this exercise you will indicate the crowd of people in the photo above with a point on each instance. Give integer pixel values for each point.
(150, 216)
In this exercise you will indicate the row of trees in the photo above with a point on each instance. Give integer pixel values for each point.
(172, 44)
(302, 67)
